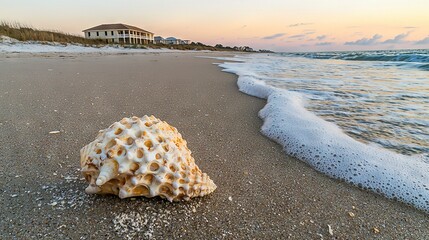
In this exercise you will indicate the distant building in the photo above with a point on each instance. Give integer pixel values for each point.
(170, 40)
(159, 40)
(245, 49)
(119, 33)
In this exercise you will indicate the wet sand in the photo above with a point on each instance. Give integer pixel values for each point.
(261, 194)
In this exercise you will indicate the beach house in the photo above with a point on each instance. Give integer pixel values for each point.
(119, 33)
(172, 40)
(175, 41)
(159, 40)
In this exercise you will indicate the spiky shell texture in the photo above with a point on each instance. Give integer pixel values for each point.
(143, 157)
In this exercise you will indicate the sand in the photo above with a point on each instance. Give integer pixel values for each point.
(262, 193)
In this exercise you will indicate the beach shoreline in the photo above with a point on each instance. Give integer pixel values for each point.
(262, 193)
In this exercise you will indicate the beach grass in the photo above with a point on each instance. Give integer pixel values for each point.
(24, 32)
(192, 46)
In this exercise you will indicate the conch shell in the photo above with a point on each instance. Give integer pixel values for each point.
(143, 157)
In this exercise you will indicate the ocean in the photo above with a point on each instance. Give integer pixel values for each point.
(362, 117)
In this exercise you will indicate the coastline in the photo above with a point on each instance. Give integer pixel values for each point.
(274, 196)
(325, 146)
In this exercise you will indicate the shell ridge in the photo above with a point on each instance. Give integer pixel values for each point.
(143, 157)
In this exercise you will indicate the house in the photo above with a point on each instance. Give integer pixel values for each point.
(244, 49)
(119, 33)
(172, 40)
(159, 40)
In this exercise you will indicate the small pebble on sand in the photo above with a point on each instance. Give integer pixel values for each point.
(331, 232)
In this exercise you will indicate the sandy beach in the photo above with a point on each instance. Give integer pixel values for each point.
(262, 193)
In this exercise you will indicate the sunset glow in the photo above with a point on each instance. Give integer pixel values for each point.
(297, 25)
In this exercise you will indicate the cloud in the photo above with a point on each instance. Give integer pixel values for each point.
(423, 41)
(274, 36)
(409, 27)
(400, 38)
(309, 32)
(300, 24)
(366, 41)
(321, 37)
(244, 26)
(397, 39)
(324, 43)
(318, 38)
(297, 36)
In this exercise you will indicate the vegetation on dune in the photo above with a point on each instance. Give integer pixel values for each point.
(23, 32)
(27, 33)
(194, 46)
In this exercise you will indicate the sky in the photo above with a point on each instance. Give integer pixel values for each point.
(279, 25)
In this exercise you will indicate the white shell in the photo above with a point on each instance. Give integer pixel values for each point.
(143, 157)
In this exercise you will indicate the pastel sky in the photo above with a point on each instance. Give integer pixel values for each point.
(280, 25)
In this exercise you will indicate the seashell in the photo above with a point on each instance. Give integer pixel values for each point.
(143, 157)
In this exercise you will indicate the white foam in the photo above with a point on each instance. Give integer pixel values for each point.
(326, 148)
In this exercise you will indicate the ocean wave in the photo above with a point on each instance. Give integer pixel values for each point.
(412, 56)
(424, 67)
(326, 148)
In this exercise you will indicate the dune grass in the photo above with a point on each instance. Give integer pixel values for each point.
(197, 46)
(185, 47)
(22, 32)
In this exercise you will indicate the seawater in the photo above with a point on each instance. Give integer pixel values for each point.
(362, 117)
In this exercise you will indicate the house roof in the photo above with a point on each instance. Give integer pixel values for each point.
(171, 38)
(117, 26)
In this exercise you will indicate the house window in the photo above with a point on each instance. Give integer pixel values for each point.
(98, 34)
(89, 34)
(121, 32)
(112, 33)
(105, 33)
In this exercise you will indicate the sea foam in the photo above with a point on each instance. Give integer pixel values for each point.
(326, 148)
